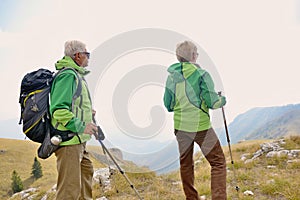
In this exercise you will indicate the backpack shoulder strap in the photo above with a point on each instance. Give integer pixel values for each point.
(79, 79)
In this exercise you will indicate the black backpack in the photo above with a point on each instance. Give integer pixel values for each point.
(34, 102)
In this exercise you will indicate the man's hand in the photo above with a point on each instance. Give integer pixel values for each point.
(90, 129)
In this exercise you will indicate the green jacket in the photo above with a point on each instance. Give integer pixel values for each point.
(190, 93)
(64, 115)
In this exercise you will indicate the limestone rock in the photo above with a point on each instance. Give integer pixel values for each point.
(102, 198)
(203, 197)
(248, 193)
(271, 154)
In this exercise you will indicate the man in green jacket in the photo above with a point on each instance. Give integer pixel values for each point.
(190, 93)
(75, 169)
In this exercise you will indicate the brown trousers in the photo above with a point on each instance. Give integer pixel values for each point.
(211, 149)
(75, 173)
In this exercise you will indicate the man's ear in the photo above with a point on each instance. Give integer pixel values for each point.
(194, 56)
(76, 55)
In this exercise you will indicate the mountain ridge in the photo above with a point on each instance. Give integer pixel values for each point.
(252, 123)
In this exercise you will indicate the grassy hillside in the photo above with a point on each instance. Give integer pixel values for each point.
(268, 178)
(19, 155)
(277, 182)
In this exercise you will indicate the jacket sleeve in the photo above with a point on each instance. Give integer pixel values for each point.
(62, 91)
(169, 96)
(211, 98)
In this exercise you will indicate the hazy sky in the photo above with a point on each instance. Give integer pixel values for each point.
(253, 44)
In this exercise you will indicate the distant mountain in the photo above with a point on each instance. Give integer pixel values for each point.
(286, 124)
(161, 161)
(264, 123)
(257, 123)
(10, 128)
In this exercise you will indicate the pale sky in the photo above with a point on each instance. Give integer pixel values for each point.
(253, 44)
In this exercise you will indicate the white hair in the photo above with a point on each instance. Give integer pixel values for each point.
(74, 46)
(185, 50)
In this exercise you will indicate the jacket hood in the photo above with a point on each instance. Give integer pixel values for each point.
(67, 61)
(181, 71)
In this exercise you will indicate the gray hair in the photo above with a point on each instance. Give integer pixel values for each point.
(185, 50)
(74, 46)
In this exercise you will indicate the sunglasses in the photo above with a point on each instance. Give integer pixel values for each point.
(86, 53)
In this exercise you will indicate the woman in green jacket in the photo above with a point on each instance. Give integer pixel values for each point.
(190, 93)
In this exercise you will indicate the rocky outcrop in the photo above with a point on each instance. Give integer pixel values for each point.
(101, 176)
(28, 194)
(270, 150)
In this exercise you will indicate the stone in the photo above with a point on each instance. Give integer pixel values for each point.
(32, 197)
(257, 154)
(102, 198)
(248, 161)
(176, 183)
(283, 153)
(292, 161)
(266, 147)
(245, 156)
(271, 154)
(281, 142)
(248, 193)
(197, 162)
(102, 176)
(203, 197)
(270, 181)
(45, 197)
(295, 152)
(25, 193)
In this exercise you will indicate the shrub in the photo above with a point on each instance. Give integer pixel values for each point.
(37, 169)
(16, 185)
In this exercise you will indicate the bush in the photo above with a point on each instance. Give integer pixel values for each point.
(16, 185)
(37, 169)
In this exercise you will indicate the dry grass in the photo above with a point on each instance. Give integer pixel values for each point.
(279, 183)
(19, 155)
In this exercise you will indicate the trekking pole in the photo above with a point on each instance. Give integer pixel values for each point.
(100, 137)
(237, 188)
(110, 170)
(111, 173)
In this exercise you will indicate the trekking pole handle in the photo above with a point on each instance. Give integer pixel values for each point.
(99, 135)
(220, 93)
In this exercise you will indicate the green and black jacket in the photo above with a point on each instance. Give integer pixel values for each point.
(66, 114)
